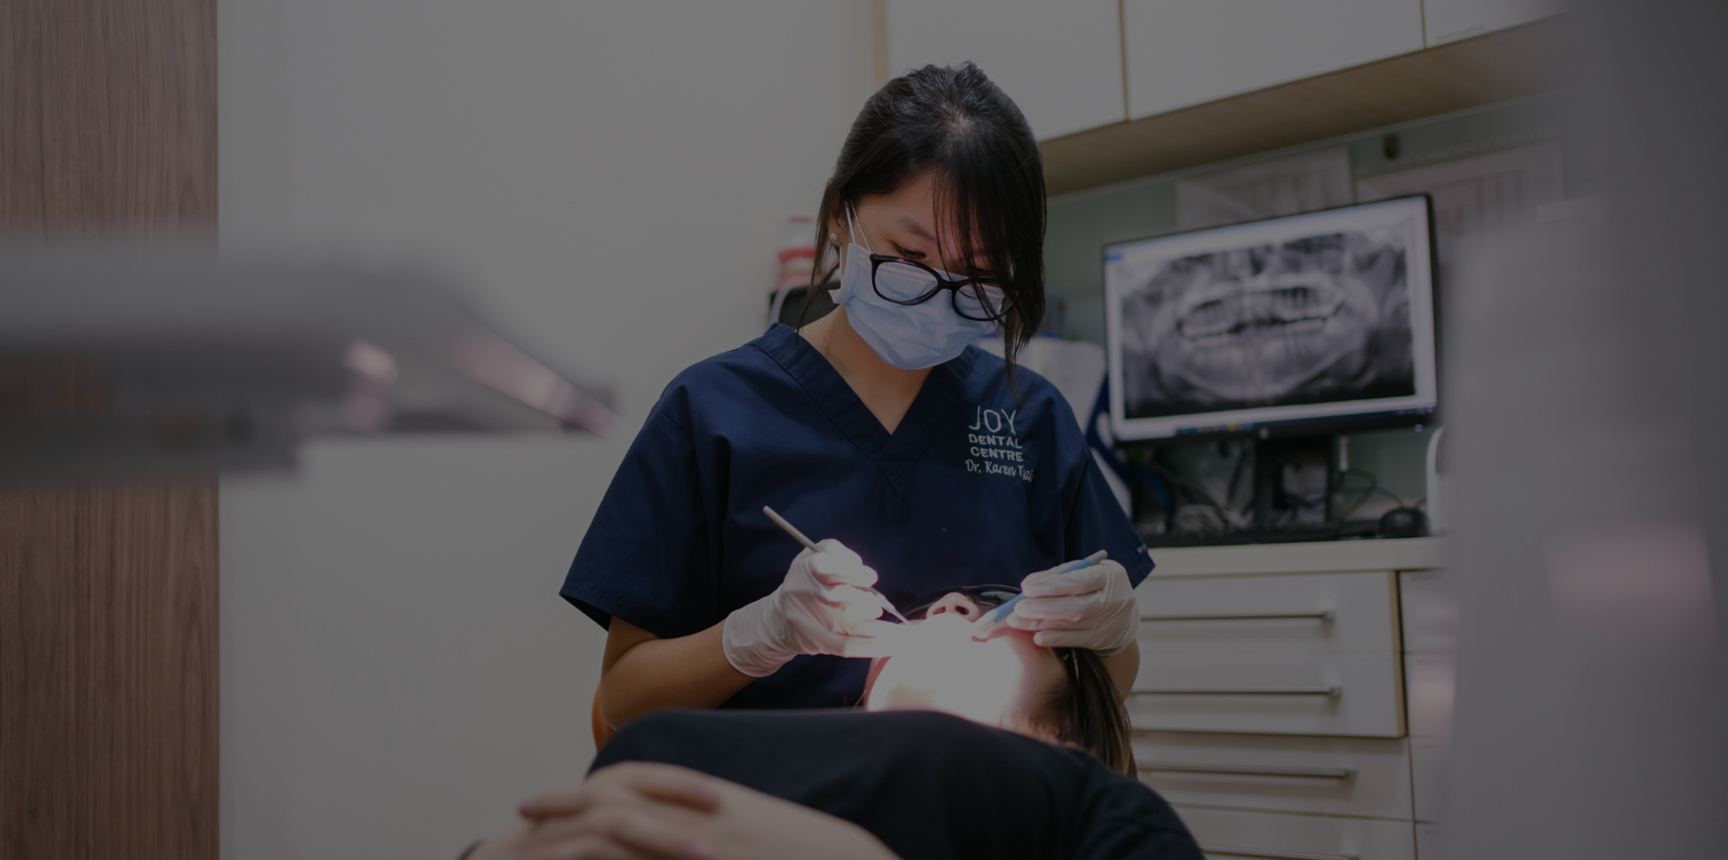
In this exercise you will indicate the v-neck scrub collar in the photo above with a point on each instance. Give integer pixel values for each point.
(894, 453)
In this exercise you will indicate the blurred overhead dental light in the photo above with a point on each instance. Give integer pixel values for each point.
(117, 360)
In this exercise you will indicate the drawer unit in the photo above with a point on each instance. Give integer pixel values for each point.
(1429, 688)
(1292, 700)
(1228, 833)
(1329, 613)
(1428, 841)
(1367, 777)
(1428, 758)
(1429, 680)
(1284, 693)
(1430, 612)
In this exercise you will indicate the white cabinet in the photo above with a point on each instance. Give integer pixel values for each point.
(1320, 613)
(1081, 64)
(1312, 653)
(1231, 833)
(1306, 694)
(1270, 708)
(1364, 777)
(1451, 20)
(1060, 62)
(1184, 52)
(1428, 842)
(1430, 613)
(1430, 640)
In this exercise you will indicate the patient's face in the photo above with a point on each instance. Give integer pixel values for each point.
(937, 666)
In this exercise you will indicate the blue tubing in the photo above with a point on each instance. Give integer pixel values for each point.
(996, 616)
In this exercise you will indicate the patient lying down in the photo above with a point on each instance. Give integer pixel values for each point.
(962, 749)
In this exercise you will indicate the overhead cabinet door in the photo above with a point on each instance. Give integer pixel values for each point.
(1451, 20)
(1185, 52)
(1060, 62)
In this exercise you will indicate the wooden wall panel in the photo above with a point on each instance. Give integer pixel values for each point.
(108, 593)
(110, 118)
(108, 731)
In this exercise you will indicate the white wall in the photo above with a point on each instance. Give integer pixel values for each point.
(1060, 62)
(397, 669)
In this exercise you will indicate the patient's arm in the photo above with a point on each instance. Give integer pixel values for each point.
(649, 810)
(614, 813)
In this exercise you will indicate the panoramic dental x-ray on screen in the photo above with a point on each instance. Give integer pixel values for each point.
(1307, 317)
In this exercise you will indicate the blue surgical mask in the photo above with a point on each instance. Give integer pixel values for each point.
(910, 337)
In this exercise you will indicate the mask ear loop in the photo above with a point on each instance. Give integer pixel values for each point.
(852, 232)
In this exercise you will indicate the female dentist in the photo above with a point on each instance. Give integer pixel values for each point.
(925, 463)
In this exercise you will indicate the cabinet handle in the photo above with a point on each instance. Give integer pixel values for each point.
(1222, 851)
(1233, 770)
(1326, 615)
(1333, 692)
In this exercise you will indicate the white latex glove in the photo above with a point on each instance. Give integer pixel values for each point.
(1092, 608)
(823, 607)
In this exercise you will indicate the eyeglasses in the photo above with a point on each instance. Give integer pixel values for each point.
(906, 282)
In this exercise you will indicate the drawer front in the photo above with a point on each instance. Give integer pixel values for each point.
(1336, 776)
(1330, 613)
(1227, 833)
(1305, 694)
(1428, 779)
(1428, 841)
(1430, 612)
(1430, 679)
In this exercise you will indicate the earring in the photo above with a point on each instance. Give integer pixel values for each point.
(833, 237)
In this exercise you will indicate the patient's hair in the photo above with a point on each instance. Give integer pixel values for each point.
(1087, 712)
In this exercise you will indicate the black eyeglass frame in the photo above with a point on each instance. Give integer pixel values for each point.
(953, 288)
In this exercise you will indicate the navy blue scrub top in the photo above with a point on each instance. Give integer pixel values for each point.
(976, 486)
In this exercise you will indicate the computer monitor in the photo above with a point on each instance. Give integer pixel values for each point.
(1301, 322)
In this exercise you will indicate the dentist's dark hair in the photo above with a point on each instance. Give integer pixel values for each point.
(989, 176)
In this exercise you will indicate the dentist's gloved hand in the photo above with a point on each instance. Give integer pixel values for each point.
(823, 607)
(1092, 608)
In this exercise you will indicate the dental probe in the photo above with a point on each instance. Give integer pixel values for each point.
(799, 536)
(989, 621)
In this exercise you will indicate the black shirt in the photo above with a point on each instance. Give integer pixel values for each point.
(925, 783)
